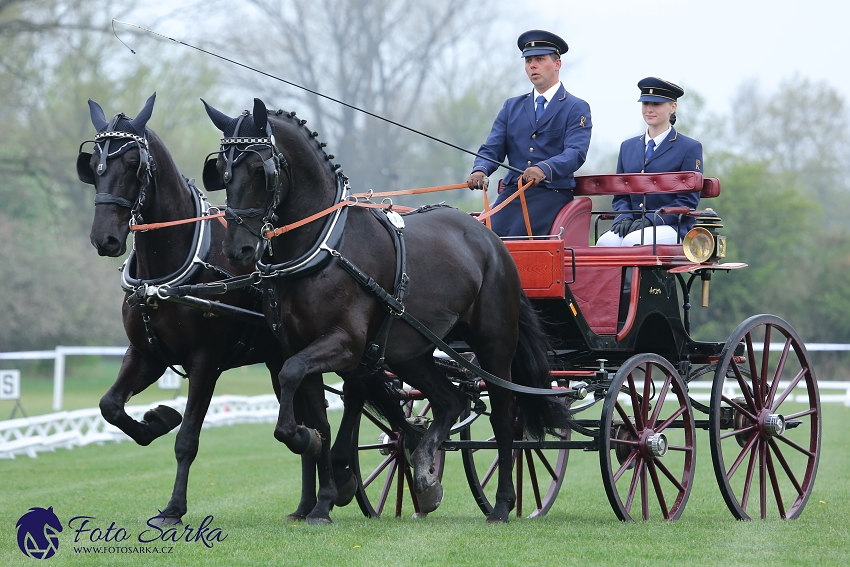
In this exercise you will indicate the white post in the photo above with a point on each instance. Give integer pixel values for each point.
(58, 378)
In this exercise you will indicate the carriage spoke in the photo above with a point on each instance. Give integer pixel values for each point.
(748, 480)
(658, 492)
(636, 404)
(790, 387)
(795, 445)
(377, 422)
(780, 367)
(739, 377)
(399, 494)
(670, 419)
(669, 475)
(633, 486)
(629, 442)
(762, 482)
(644, 493)
(809, 411)
(661, 397)
(632, 456)
(735, 405)
(390, 459)
(776, 492)
(786, 467)
(765, 360)
(490, 472)
(754, 375)
(385, 491)
(741, 456)
(738, 431)
(644, 403)
(532, 478)
(626, 420)
(545, 462)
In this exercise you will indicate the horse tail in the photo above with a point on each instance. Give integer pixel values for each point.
(530, 367)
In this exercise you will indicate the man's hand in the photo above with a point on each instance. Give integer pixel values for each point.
(477, 180)
(533, 174)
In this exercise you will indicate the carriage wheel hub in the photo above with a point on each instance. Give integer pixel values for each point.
(384, 439)
(657, 444)
(774, 424)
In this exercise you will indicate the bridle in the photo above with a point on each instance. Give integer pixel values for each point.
(102, 142)
(273, 167)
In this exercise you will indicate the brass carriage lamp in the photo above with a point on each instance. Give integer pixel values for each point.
(702, 245)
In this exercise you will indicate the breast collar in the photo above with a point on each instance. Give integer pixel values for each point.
(194, 262)
(318, 255)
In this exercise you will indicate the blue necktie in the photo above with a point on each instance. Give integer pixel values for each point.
(541, 101)
(650, 148)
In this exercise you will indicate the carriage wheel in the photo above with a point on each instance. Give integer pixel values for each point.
(647, 447)
(381, 465)
(764, 422)
(538, 473)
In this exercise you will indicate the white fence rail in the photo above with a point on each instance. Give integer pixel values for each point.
(69, 429)
(60, 352)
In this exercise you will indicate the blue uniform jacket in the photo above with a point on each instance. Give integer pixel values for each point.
(675, 153)
(557, 144)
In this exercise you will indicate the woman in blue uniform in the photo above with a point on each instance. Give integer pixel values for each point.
(660, 149)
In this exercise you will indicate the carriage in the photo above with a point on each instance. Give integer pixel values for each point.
(616, 322)
(619, 324)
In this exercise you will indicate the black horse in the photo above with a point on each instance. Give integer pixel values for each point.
(459, 279)
(137, 181)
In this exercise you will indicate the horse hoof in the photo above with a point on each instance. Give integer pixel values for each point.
(496, 519)
(314, 446)
(419, 515)
(296, 517)
(162, 419)
(162, 521)
(431, 498)
(345, 492)
(318, 521)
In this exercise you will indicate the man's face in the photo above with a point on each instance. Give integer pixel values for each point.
(542, 71)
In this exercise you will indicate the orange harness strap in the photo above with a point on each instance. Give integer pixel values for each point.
(155, 225)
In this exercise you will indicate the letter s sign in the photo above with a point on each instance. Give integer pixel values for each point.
(10, 384)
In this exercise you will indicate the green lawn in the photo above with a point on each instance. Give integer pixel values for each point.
(249, 482)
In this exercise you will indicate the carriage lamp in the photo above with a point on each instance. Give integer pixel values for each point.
(703, 245)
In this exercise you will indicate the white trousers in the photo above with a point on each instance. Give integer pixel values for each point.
(665, 235)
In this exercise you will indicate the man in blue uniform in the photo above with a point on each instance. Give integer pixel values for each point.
(545, 133)
(660, 149)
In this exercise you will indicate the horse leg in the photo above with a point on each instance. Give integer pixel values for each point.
(136, 374)
(446, 403)
(202, 380)
(312, 396)
(342, 450)
(308, 463)
(502, 420)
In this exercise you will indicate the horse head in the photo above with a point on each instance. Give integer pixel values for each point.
(119, 167)
(254, 173)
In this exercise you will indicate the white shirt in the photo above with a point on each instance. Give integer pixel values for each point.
(658, 139)
(550, 92)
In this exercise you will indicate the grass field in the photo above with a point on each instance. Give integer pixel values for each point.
(249, 482)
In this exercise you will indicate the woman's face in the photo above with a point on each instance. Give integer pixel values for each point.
(657, 113)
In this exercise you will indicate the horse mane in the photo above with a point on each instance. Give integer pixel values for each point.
(313, 139)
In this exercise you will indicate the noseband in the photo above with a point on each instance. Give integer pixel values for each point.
(102, 142)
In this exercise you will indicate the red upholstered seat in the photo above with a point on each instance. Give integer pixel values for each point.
(574, 217)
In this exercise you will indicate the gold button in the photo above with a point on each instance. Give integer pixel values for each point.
(534, 135)
(529, 162)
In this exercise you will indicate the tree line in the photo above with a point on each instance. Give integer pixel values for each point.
(784, 180)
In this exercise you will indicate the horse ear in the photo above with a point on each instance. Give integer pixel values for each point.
(98, 119)
(141, 119)
(211, 177)
(261, 115)
(84, 170)
(221, 120)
